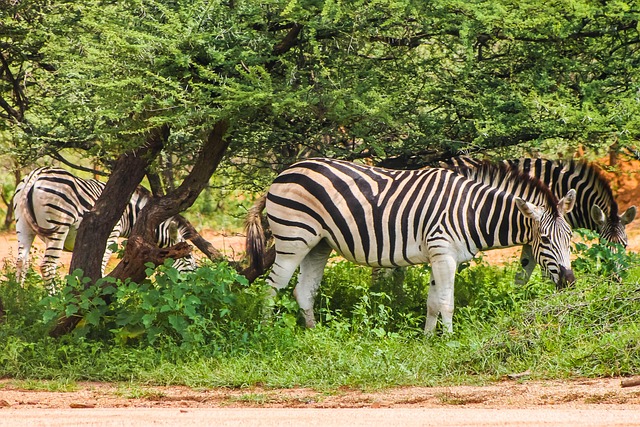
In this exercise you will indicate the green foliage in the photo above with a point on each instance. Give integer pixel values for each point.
(601, 257)
(189, 309)
(209, 328)
(483, 293)
(221, 206)
(349, 299)
(350, 79)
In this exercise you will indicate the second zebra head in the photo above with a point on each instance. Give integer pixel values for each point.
(550, 236)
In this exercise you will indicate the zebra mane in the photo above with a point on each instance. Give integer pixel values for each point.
(508, 178)
(595, 174)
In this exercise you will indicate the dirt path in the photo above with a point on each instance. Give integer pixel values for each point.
(586, 402)
(578, 394)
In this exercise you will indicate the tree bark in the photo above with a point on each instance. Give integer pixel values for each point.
(143, 240)
(141, 246)
(98, 223)
(8, 219)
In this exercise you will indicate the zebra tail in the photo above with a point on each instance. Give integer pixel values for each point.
(255, 235)
(24, 205)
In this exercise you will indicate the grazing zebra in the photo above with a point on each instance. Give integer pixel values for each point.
(595, 207)
(389, 218)
(50, 203)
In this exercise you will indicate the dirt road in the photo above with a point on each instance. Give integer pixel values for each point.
(584, 402)
(406, 417)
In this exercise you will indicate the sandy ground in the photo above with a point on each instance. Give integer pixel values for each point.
(585, 402)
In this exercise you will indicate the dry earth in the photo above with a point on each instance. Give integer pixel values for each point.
(578, 394)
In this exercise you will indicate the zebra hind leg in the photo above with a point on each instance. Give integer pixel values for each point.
(440, 299)
(284, 266)
(25, 240)
(311, 271)
(52, 254)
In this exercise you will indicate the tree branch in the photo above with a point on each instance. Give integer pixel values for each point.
(56, 155)
(289, 40)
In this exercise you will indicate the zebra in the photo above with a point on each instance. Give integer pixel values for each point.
(50, 203)
(595, 208)
(389, 218)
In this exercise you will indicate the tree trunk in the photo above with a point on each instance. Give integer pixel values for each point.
(8, 219)
(98, 223)
(161, 208)
(141, 246)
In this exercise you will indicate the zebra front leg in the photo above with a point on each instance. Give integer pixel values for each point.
(311, 271)
(528, 263)
(440, 299)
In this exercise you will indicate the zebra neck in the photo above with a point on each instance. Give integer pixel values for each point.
(500, 224)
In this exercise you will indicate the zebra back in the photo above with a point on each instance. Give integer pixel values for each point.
(509, 178)
(595, 208)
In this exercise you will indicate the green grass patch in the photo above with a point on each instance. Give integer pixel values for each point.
(211, 328)
(61, 385)
(135, 391)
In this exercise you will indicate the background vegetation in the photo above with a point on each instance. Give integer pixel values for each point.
(399, 83)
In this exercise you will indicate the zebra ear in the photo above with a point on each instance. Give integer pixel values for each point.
(597, 215)
(565, 205)
(628, 215)
(529, 209)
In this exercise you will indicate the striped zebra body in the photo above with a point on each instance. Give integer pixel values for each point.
(50, 203)
(389, 218)
(595, 208)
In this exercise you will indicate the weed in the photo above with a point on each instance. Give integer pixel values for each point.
(62, 385)
(134, 391)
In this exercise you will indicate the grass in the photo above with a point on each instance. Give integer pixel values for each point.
(135, 391)
(63, 385)
(210, 331)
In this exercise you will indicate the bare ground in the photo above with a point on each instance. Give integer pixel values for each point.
(576, 393)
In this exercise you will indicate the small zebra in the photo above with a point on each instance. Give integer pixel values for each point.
(595, 208)
(389, 218)
(50, 203)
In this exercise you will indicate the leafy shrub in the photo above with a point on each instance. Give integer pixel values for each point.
(484, 292)
(189, 309)
(601, 257)
(351, 300)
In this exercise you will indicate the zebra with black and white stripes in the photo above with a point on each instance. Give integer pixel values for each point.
(595, 208)
(388, 218)
(50, 203)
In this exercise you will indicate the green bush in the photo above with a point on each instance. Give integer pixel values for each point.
(601, 257)
(189, 309)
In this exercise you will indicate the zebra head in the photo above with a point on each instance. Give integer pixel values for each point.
(551, 237)
(612, 227)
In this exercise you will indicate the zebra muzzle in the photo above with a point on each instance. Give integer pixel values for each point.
(566, 278)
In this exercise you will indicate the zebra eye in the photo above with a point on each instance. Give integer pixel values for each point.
(545, 239)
